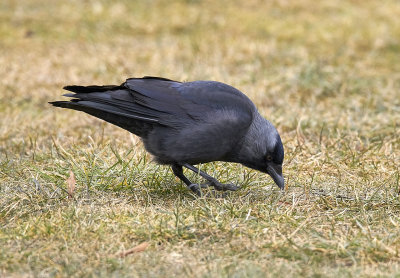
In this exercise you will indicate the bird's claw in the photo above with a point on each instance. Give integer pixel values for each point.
(195, 188)
(224, 187)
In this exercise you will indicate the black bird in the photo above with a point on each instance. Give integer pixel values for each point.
(187, 123)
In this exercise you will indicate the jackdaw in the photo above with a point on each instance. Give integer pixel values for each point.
(187, 123)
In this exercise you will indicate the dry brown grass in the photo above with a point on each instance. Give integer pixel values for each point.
(326, 73)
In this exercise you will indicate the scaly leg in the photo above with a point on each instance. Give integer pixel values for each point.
(178, 171)
(212, 181)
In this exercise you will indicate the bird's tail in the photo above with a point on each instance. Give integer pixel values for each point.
(98, 101)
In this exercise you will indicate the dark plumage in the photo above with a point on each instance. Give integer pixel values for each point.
(182, 124)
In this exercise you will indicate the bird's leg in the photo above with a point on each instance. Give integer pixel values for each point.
(178, 171)
(212, 181)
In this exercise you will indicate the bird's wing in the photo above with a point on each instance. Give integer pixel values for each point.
(163, 101)
(179, 104)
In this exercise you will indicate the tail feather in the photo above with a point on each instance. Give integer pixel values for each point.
(91, 88)
(98, 102)
(137, 125)
(87, 106)
(136, 110)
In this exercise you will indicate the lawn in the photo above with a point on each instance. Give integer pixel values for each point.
(326, 73)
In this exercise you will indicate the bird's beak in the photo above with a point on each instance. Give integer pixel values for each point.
(275, 171)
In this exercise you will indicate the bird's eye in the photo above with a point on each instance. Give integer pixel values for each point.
(268, 157)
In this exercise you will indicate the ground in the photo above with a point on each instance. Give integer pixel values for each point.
(325, 73)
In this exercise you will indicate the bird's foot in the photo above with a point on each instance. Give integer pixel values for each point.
(223, 186)
(196, 188)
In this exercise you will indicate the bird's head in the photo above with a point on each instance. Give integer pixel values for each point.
(262, 150)
(273, 156)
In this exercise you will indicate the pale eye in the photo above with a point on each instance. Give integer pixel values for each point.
(269, 157)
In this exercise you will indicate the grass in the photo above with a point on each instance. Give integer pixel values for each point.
(325, 73)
